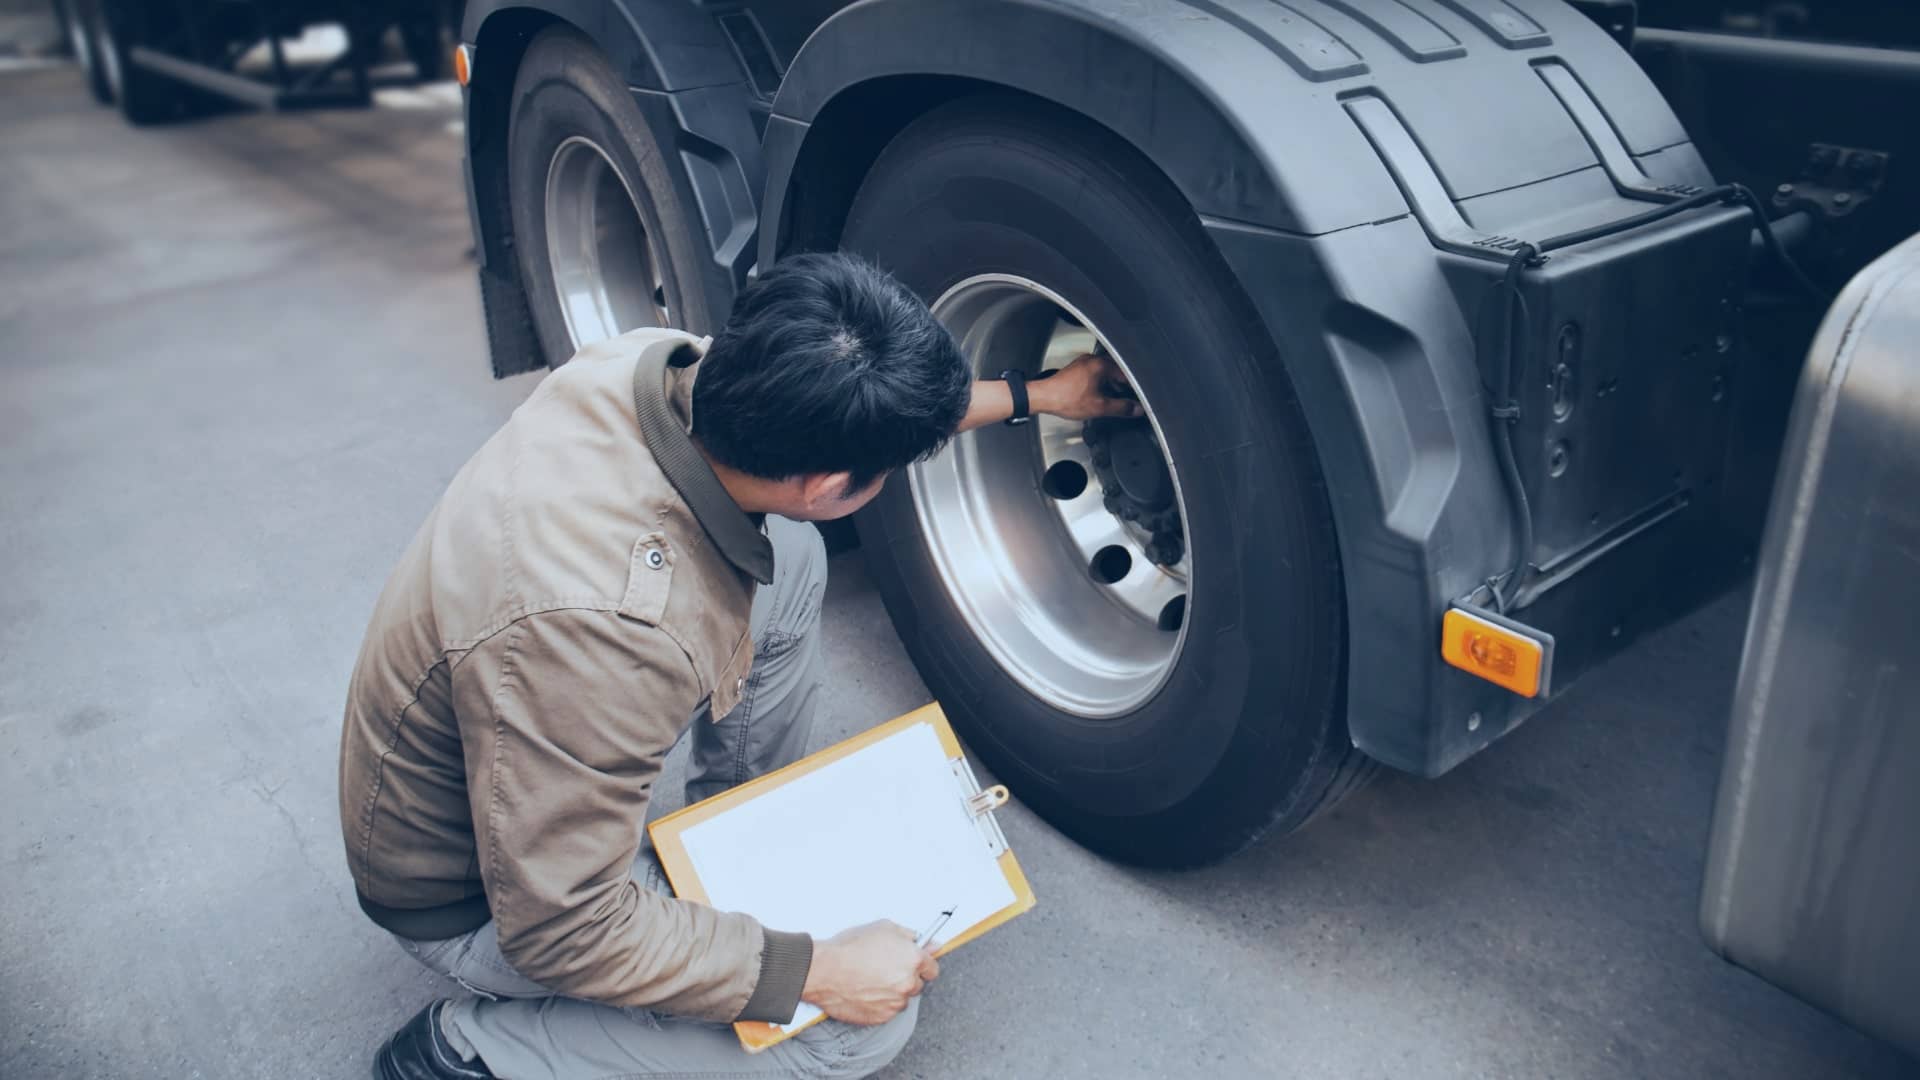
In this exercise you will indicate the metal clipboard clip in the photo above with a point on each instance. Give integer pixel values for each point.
(981, 804)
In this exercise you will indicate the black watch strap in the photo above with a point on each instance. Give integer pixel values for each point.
(1017, 388)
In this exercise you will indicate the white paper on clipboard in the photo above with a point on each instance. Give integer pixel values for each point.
(883, 833)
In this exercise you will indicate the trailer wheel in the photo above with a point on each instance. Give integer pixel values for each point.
(76, 20)
(145, 97)
(604, 245)
(1138, 626)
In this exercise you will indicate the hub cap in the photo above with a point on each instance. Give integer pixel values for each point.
(1062, 544)
(603, 266)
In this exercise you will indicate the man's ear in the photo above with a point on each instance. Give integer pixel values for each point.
(820, 491)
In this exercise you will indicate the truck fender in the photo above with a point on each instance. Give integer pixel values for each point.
(631, 33)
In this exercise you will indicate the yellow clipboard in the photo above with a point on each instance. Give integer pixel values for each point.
(669, 845)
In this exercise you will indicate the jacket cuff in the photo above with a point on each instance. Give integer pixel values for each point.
(785, 960)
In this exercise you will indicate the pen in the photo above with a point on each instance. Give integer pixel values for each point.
(926, 936)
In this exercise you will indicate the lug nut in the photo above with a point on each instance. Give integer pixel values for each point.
(1784, 189)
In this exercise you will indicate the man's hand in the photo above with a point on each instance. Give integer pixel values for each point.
(1090, 386)
(866, 975)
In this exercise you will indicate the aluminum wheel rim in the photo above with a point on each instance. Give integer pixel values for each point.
(604, 271)
(1019, 562)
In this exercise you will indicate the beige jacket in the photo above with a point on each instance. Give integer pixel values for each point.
(581, 588)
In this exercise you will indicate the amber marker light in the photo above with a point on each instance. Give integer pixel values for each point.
(1503, 653)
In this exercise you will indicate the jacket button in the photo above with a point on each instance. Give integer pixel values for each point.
(740, 685)
(655, 560)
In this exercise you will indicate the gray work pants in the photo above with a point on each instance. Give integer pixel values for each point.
(522, 1031)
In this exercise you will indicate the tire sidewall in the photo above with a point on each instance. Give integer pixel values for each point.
(566, 89)
(1250, 689)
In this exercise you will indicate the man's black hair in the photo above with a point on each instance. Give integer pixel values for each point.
(826, 365)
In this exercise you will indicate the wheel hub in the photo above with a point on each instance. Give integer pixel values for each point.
(1137, 487)
(1077, 585)
(605, 274)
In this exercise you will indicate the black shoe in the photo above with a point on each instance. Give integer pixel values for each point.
(420, 1051)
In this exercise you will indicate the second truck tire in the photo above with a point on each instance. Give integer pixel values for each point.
(1171, 751)
(602, 243)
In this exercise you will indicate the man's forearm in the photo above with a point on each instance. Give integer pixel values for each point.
(992, 403)
(1091, 386)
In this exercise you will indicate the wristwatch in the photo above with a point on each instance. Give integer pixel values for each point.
(1017, 388)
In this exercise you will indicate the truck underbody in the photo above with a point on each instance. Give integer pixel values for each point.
(162, 60)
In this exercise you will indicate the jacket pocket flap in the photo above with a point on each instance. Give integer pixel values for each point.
(649, 578)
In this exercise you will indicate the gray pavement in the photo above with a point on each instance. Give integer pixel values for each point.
(238, 361)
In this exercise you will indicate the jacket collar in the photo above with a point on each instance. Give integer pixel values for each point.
(666, 420)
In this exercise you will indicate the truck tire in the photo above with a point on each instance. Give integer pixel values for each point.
(145, 97)
(1163, 690)
(602, 240)
(76, 19)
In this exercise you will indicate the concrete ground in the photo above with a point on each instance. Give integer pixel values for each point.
(240, 358)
